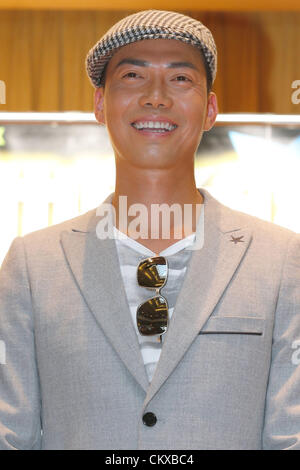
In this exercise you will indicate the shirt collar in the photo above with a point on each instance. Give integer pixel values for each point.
(184, 243)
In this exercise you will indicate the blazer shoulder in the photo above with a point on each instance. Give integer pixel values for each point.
(258, 225)
(85, 223)
(267, 235)
(265, 225)
(49, 235)
(272, 241)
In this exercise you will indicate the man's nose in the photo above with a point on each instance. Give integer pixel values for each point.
(156, 95)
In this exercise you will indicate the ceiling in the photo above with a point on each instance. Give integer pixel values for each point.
(200, 5)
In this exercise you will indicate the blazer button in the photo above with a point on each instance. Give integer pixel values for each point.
(149, 419)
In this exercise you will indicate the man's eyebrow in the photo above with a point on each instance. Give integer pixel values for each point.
(144, 63)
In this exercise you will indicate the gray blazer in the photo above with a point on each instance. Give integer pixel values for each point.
(228, 375)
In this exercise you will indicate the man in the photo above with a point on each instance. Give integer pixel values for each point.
(202, 359)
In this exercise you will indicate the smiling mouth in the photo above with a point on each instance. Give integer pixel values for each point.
(154, 127)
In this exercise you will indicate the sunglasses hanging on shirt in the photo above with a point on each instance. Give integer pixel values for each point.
(152, 316)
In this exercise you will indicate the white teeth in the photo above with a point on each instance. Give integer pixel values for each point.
(154, 125)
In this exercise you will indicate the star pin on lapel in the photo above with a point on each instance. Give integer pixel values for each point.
(236, 240)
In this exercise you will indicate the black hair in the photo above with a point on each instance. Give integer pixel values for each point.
(208, 73)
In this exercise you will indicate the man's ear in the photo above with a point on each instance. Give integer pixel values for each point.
(211, 112)
(99, 105)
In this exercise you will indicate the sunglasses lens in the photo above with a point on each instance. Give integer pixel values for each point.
(152, 317)
(152, 272)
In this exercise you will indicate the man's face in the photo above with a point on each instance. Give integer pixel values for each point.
(160, 81)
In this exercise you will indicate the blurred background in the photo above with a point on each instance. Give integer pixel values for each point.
(57, 162)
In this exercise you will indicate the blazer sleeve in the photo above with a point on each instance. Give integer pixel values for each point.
(20, 422)
(282, 413)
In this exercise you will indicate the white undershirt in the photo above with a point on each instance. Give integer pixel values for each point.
(130, 253)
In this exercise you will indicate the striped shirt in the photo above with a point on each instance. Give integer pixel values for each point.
(130, 253)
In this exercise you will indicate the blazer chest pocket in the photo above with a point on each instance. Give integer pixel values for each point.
(234, 326)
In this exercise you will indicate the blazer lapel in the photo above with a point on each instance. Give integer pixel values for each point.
(210, 270)
(96, 269)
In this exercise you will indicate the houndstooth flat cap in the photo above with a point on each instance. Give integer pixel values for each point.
(150, 24)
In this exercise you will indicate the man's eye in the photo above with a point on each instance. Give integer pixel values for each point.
(131, 74)
(182, 78)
